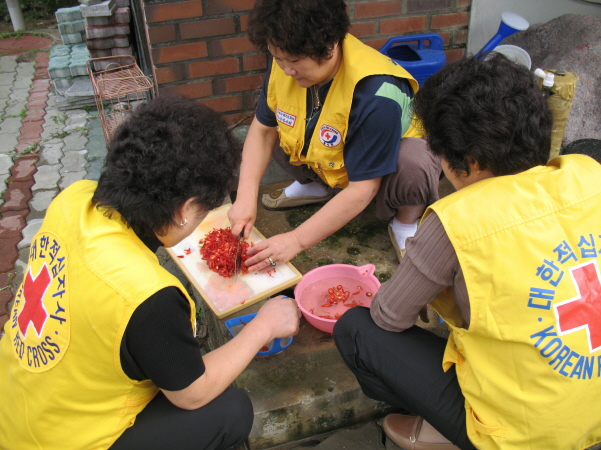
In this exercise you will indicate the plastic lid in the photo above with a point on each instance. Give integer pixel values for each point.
(540, 73)
(549, 80)
(515, 21)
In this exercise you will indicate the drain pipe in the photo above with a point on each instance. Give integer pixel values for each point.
(16, 15)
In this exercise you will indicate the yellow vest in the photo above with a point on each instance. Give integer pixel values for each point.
(289, 103)
(61, 384)
(529, 247)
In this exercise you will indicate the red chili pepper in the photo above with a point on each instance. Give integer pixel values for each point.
(355, 293)
(242, 322)
(270, 272)
(218, 249)
(326, 305)
(264, 349)
(188, 251)
(180, 256)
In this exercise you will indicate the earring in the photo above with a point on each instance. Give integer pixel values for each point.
(184, 222)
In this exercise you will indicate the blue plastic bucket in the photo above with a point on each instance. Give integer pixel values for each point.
(419, 59)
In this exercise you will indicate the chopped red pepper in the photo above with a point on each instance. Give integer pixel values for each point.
(218, 249)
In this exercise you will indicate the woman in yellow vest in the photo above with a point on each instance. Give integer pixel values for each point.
(511, 263)
(100, 350)
(336, 115)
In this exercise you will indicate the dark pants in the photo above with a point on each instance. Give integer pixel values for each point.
(222, 424)
(414, 183)
(404, 370)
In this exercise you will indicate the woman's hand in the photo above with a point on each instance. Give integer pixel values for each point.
(242, 215)
(280, 315)
(276, 250)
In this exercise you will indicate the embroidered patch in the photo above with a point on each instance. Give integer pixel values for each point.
(40, 327)
(329, 136)
(570, 329)
(285, 118)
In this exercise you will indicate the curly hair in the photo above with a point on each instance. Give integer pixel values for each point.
(299, 27)
(167, 151)
(491, 112)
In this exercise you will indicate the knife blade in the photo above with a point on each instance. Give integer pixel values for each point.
(238, 260)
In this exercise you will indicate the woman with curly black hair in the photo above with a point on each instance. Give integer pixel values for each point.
(336, 115)
(100, 352)
(510, 262)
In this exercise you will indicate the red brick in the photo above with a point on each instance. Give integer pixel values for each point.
(180, 52)
(363, 29)
(446, 38)
(8, 254)
(190, 90)
(173, 11)
(237, 84)
(244, 22)
(454, 54)
(40, 85)
(463, 3)
(226, 6)
(11, 226)
(231, 46)
(30, 131)
(377, 9)
(404, 25)
(224, 103)
(450, 20)
(164, 33)
(34, 115)
(17, 196)
(254, 62)
(204, 28)
(169, 74)
(375, 43)
(427, 5)
(460, 37)
(233, 119)
(210, 68)
(23, 169)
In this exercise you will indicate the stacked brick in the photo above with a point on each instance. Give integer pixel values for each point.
(200, 48)
(107, 30)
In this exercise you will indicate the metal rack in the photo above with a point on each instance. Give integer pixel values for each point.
(119, 88)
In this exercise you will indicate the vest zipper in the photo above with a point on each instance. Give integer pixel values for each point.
(314, 107)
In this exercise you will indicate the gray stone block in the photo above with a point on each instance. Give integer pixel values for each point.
(8, 64)
(90, 2)
(51, 153)
(6, 163)
(73, 161)
(10, 125)
(78, 67)
(98, 21)
(29, 232)
(81, 87)
(99, 32)
(40, 202)
(121, 3)
(68, 14)
(46, 177)
(70, 178)
(58, 67)
(60, 50)
(76, 26)
(9, 142)
(73, 38)
(105, 8)
(6, 79)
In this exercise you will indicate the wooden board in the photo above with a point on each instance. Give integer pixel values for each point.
(223, 296)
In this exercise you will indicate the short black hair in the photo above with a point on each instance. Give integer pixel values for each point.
(168, 150)
(490, 111)
(299, 27)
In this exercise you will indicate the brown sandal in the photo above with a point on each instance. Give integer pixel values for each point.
(414, 433)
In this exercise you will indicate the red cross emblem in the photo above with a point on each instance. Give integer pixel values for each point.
(584, 310)
(33, 292)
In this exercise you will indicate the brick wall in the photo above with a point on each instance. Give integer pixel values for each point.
(199, 48)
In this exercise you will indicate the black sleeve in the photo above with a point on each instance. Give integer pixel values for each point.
(158, 343)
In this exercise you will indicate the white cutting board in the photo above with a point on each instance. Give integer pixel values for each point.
(222, 295)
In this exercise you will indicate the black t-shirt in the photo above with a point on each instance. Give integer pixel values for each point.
(158, 343)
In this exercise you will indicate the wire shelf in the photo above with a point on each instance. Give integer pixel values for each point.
(119, 87)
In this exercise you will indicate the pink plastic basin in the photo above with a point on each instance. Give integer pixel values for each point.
(311, 292)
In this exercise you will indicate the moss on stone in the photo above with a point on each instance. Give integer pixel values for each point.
(301, 258)
(353, 251)
(383, 276)
(324, 262)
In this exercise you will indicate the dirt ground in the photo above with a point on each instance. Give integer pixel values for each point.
(31, 25)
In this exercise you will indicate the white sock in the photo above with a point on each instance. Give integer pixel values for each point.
(313, 189)
(402, 231)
